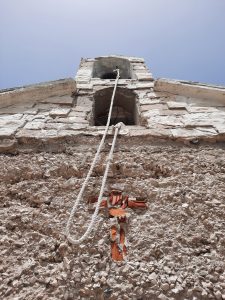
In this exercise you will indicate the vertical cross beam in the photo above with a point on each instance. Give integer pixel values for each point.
(116, 205)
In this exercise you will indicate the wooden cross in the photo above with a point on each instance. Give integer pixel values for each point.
(116, 205)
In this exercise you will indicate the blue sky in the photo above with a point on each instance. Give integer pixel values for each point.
(45, 39)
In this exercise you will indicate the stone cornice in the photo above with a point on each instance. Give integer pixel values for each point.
(37, 92)
(190, 89)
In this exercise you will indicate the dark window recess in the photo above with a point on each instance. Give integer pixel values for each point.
(104, 68)
(109, 75)
(124, 108)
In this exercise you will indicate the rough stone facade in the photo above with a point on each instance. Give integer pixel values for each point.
(173, 156)
(64, 109)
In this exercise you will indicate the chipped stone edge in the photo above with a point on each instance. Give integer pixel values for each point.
(44, 142)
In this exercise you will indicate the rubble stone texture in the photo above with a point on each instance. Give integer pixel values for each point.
(173, 156)
(176, 248)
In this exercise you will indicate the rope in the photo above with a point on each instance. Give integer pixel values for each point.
(109, 159)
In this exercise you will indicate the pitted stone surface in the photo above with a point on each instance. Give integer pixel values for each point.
(176, 248)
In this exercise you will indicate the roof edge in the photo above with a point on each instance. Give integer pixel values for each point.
(190, 89)
(36, 92)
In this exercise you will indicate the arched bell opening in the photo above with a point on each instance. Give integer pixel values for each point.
(104, 68)
(109, 75)
(124, 107)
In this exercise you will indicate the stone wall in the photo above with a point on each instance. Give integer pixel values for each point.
(37, 92)
(64, 110)
(173, 157)
(176, 247)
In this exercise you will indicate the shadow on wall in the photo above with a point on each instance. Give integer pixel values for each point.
(124, 107)
(104, 68)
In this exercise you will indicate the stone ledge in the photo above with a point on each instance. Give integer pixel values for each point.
(190, 89)
(59, 135)
(27, 136)
(144, 76)
(37, 92)
(132, 59)
(62, 100)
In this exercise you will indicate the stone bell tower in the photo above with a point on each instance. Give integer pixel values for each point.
(95, 80)
(169, 158)
(69, 109)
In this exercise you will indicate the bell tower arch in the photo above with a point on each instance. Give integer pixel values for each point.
(95, 81)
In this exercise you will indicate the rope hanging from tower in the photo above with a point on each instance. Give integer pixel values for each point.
(109, 160)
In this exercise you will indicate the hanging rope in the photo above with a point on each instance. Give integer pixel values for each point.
(109, 159)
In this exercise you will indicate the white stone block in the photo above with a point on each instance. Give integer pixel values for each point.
(82, 108)
(196, 109)
(71, 120)
(84, 86)
(7, 132)
(33, 125)
(10, 117)
(194, 132)
(176, 105)
(61, 112)
(167, 120)
(144, 76)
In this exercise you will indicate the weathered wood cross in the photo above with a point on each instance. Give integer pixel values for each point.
(116, 205)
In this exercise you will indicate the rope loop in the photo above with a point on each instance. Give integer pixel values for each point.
(108, 161)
